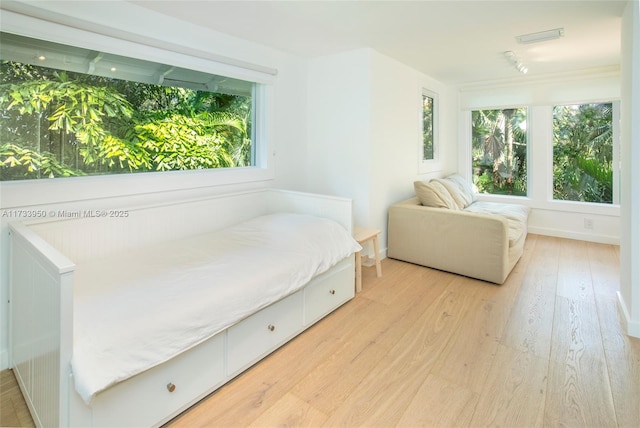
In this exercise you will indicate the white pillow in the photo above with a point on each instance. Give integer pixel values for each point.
(459, 189)
(434, 194)
(453, 190)
(465, 187)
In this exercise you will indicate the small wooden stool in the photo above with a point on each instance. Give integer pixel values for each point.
(363, 235)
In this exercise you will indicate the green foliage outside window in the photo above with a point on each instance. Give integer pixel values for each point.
(427, 128)
(583, 153)
(59, 124)
(499, 145)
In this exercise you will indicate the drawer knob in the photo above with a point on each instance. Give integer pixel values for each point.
(171, 387)
(271, 327)
(332, 291)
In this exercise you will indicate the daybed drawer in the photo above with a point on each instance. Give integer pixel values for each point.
(150, 397)
(256, 336)
(326, 293)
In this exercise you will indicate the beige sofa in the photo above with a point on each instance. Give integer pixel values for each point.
(446, 227)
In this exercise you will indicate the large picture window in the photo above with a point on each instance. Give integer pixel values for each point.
(583, 153)
(499, 151)
(68, 111)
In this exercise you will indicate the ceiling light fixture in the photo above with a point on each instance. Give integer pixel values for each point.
(513, 58)
(541, 36)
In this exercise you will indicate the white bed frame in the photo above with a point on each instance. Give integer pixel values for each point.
(43, 259)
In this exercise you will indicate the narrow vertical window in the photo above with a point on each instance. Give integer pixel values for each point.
(429, 125)
(499, 145)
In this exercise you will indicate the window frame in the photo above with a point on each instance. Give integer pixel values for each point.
(616, 161)
(46, 191)
(540, 159)
(469, 138)
(425, 165)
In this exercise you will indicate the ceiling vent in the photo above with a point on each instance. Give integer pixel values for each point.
(541, 36)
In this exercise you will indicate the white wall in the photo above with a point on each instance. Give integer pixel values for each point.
(365, 131)
(396, 136)
(629, 297)
(138, 32)
(338, 133)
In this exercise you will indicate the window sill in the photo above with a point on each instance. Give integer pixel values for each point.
(74, 189)
(553, 205)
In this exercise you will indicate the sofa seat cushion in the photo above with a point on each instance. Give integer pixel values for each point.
(515, 214)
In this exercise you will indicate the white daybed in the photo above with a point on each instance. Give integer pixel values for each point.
(128, 317)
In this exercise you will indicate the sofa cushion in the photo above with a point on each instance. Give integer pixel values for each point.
(460, 190)
(464, 186)
(434, 194)
(515, 214)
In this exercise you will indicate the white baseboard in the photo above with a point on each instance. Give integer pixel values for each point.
(631, 327)
(590, 237)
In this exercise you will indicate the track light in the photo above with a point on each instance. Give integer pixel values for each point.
(541, 36)
(513, 58)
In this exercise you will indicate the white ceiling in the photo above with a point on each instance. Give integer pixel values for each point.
(452, 41)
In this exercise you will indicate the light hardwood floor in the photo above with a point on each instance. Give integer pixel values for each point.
(419, 347)
(13, 409)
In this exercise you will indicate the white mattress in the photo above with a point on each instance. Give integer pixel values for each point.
(136, 310)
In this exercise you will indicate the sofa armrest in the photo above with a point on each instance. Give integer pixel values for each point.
(470, 244)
